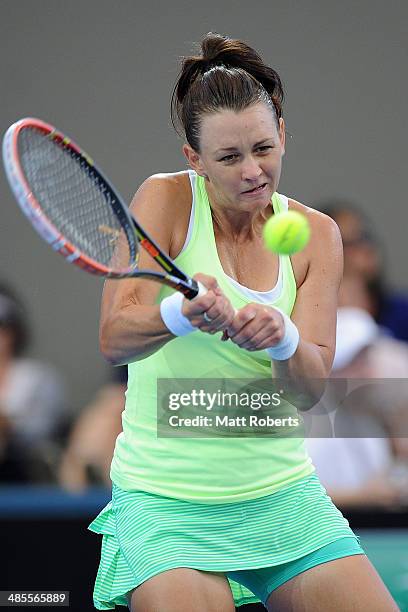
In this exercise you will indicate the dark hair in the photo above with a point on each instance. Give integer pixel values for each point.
(13, 317)
(228, 74)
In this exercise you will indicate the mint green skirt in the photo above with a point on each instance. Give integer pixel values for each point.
(145, 534)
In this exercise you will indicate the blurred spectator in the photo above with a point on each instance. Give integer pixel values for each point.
(89, 451)
(364, 262)
(32, 401)
(364, 351)
(366, 463)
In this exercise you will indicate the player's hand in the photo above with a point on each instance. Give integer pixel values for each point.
(212, 312)
(256, 327)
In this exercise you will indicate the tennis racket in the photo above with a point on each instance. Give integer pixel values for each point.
(75, 208)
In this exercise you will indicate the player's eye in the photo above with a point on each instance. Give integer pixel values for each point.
(264, 148)
(229, 158)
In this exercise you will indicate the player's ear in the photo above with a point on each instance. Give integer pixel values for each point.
(282, 134)
(194, 160)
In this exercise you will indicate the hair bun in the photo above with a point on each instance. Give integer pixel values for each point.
(227, 73)
(212, 46)
(217, 49)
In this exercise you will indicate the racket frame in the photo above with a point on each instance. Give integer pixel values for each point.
(173, 276)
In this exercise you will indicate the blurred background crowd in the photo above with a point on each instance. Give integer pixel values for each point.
(360, 452)
(103, 72)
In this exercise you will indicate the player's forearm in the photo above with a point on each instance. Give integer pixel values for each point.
(133, 333)
(308, 361)
(306, 370)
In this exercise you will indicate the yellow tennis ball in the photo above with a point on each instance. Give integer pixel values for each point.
(286, 233)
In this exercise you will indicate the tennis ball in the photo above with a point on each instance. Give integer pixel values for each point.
(286, 233)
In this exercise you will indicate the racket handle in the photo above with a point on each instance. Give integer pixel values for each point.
(201, 289)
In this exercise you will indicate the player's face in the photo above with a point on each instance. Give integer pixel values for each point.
(241, 154)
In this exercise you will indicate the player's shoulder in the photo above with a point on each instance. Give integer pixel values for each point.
(168, 183)
(162, 205)
(321, 224)
(164, 189)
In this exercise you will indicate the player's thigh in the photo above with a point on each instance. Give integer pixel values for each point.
(183, 590)
(349, 584)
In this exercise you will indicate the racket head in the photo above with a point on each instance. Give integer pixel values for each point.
(68, 200)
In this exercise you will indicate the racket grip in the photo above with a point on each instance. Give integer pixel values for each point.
(201, 289)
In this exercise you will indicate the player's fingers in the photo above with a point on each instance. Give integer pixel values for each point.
(201, 303)
(209, 282)
(221, 309)
(198, 306)
(241, 319)
(218, 317)
(261, 326)
(260, 341)
(246, 336)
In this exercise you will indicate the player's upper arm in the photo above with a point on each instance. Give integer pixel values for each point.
(155, 206)
(315, 309)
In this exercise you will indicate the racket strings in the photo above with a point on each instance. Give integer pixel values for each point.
(73, 198)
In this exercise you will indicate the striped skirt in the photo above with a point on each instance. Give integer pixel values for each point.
(145, 534)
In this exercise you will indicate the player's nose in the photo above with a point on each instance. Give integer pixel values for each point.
(250, 169)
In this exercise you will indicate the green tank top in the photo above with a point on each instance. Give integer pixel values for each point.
(217, 469)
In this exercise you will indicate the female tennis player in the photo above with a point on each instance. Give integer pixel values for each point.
(188, 514)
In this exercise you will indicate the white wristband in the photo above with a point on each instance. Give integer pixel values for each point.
(174, 320)
(286, 348)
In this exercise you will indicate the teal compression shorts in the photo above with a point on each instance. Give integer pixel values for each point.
(266, 579)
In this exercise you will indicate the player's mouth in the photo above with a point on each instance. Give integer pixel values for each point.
(256, 190)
